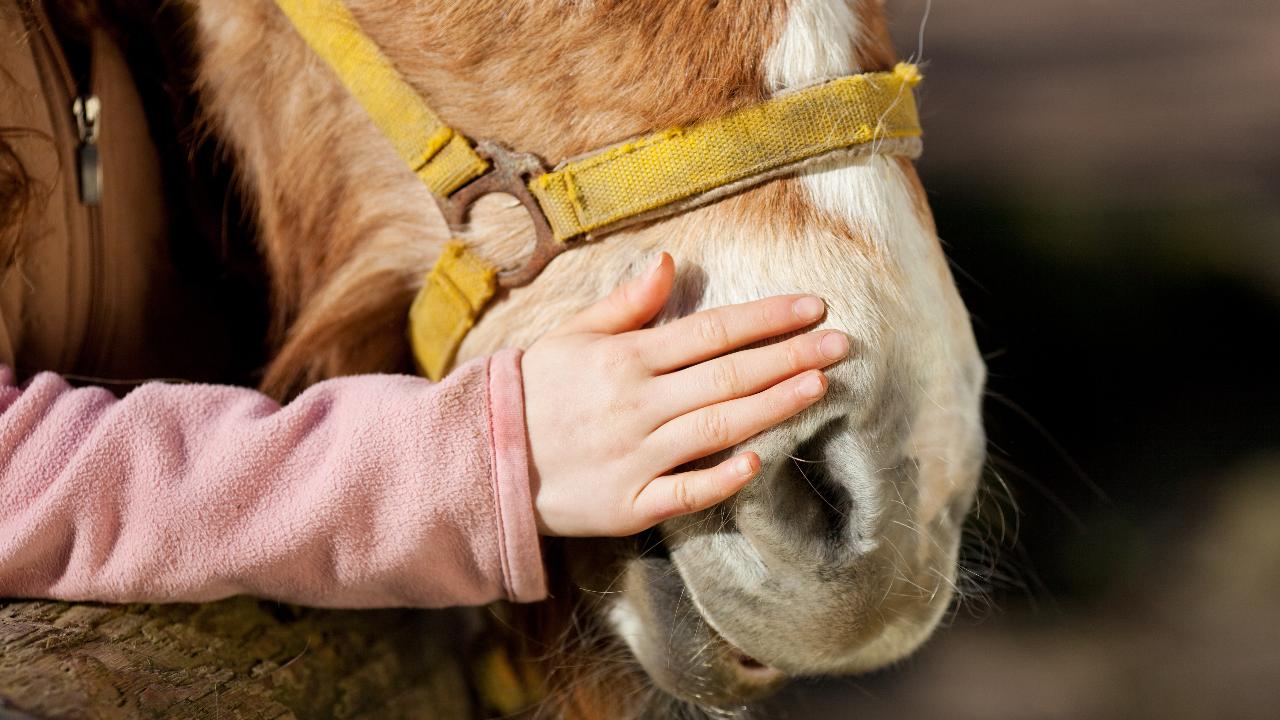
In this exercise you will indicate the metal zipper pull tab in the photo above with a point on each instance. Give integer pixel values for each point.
(86, 108)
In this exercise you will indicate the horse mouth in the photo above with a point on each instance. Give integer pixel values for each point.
(677, 647)
(751, 669)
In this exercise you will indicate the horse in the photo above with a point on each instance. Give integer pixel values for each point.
(840, 557)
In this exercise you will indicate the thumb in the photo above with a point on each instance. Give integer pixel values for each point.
(630, 305)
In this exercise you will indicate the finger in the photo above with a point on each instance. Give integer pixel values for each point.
(716, 427)
(745, 372)
(714, 332)
(686, 492)
(630, 305)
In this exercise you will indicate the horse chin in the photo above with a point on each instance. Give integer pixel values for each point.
(678, 649)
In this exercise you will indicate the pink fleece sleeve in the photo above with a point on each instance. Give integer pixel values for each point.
(368, 491)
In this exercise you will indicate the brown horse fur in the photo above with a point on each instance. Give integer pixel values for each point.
(307, 147)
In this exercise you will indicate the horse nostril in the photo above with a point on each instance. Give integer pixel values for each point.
(810, 472)
(833, 503)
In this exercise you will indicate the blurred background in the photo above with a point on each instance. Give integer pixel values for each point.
(1106, 176)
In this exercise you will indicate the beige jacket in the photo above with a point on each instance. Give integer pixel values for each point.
(93, 291)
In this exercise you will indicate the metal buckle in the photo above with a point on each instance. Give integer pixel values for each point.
(509, 174)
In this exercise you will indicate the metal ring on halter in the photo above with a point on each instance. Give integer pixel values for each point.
(509, 174)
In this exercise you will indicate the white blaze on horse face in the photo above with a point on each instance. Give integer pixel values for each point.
(816, 43)
(875, 197)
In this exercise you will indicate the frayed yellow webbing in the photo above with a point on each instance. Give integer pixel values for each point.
(456, 290)
(442, 158)
(652, 172)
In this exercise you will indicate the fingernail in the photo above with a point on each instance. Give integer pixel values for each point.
(834, 345)
(811, 386)
(808, 308)
(654, 264)
(744, 467)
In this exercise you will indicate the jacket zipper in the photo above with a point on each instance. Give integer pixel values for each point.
(85, 110)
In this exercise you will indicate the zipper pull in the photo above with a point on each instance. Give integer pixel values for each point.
(86, 109)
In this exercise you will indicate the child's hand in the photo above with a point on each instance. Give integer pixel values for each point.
(610, 408)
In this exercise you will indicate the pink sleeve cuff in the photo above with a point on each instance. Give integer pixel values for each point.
(517, 529)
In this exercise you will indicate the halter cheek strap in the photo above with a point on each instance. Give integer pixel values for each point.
(645, 178)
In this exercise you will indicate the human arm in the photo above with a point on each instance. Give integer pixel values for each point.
(367, 491)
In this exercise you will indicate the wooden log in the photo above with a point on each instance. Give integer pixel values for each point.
(240, 658)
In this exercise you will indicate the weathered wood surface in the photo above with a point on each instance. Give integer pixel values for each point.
(238, 658)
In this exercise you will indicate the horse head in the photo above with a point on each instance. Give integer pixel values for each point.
(840, 556)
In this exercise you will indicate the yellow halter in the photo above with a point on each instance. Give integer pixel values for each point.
(653, 176)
